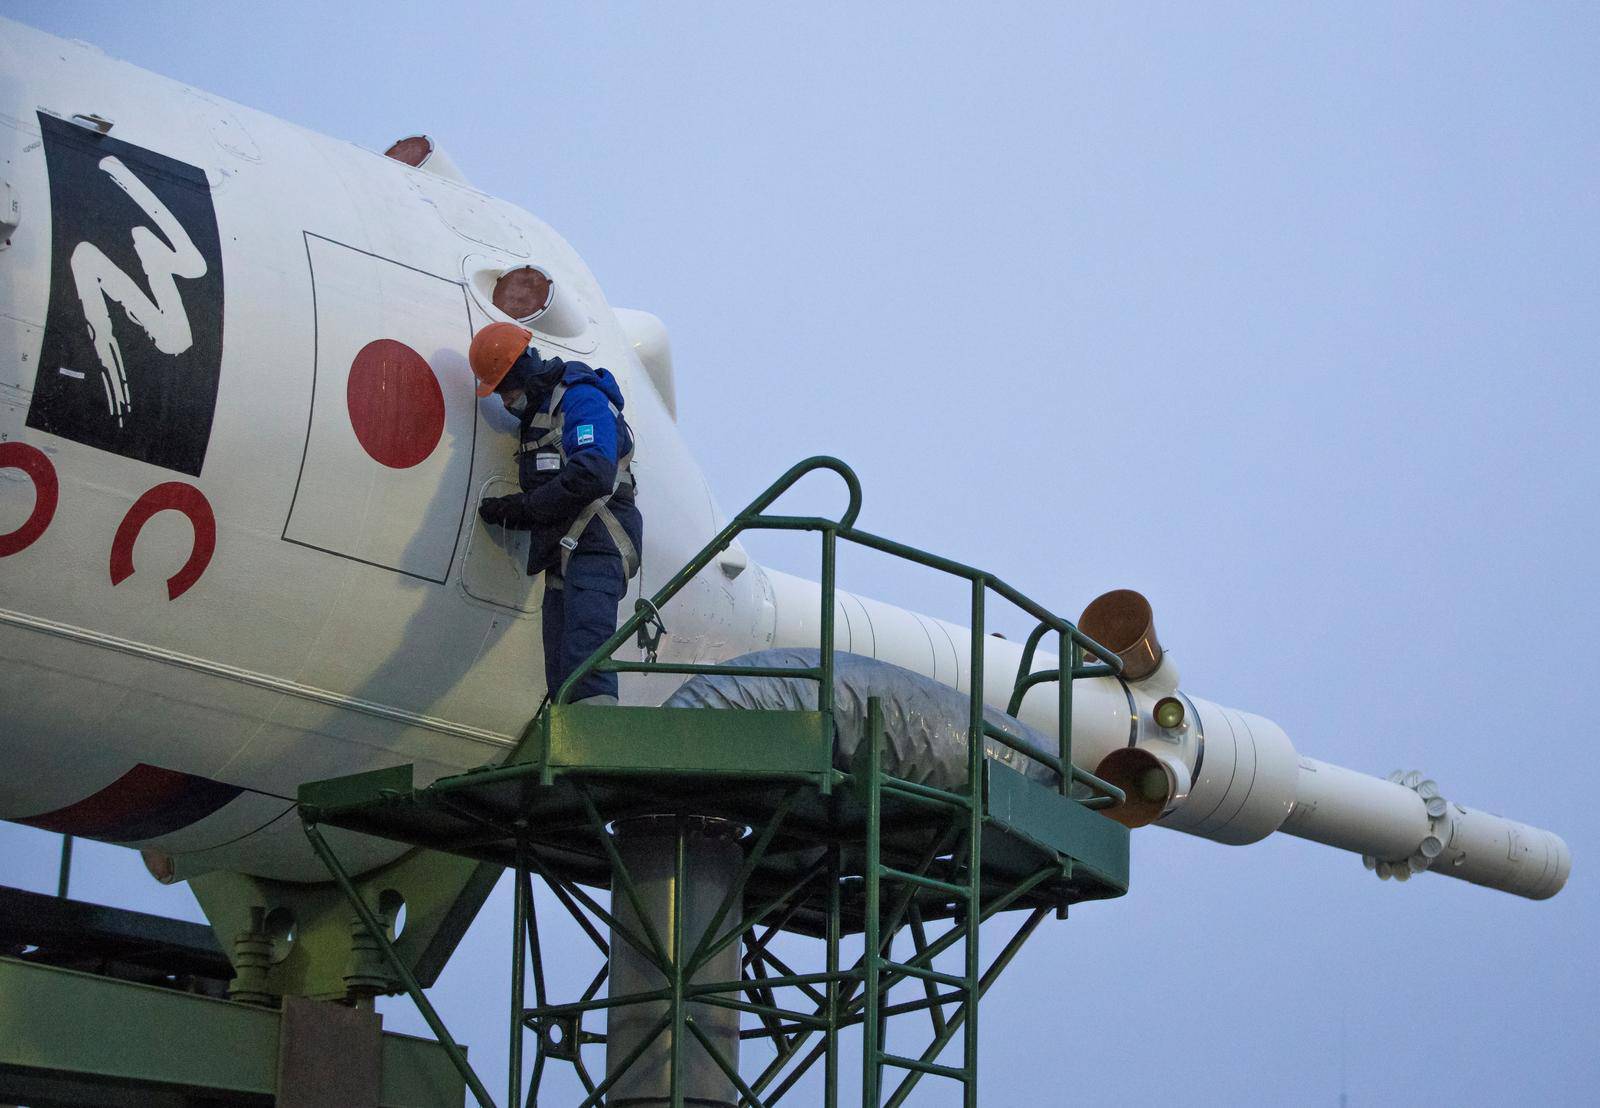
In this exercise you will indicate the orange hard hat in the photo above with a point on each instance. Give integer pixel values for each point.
(494, 349)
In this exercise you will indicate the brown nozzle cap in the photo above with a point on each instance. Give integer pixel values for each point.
(1123, 621)
(1144, 780)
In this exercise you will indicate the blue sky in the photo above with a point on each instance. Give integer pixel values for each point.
(1285, 316)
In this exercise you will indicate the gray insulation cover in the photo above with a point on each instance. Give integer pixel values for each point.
(925, 722)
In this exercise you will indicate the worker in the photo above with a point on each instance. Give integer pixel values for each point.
(577, 498)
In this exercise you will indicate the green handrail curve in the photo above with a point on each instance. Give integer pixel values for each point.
(753, 518)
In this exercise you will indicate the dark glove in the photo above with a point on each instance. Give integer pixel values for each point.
(494, 510)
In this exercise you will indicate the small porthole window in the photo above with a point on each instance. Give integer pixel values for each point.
(523, 293)
(530, 295)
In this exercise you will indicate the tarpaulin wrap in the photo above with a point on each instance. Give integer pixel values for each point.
(925, 722)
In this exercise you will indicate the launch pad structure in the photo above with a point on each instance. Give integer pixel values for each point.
(717, 830)
(753, 878)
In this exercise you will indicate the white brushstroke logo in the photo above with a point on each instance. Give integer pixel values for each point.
(161, 313)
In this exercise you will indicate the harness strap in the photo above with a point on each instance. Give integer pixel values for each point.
(552, 421)
(550, 414)
(543, 442)
(624, 476)
(602, 508)
(625, 547)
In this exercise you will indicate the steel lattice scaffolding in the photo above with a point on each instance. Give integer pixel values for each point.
(717, 832)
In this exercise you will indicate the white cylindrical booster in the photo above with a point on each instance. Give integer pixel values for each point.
(1230, 776)
(1401, 830)
(1503, 854)
(1356, 812)
(1245, 775)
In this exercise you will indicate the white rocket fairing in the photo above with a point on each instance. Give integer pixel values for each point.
(239, 450)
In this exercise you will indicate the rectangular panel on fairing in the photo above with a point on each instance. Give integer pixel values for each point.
(494, 568)
(388, 455)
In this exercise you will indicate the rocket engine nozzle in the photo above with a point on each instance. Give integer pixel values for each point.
(1153, 783)
(1235, 777)
(1124, 621)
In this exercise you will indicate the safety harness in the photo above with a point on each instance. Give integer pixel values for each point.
(552, 422)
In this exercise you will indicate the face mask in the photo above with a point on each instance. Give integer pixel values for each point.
(519, 406)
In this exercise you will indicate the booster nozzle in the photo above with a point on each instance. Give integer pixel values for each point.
(1154, 784)
(1124, 621)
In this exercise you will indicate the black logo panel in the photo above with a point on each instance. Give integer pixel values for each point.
(132, 348)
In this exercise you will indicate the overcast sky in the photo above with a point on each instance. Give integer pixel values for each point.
(1284, 316)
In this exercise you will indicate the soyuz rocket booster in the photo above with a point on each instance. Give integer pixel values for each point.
(315, 595)
(1196, 766)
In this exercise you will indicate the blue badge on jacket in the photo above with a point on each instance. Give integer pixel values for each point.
(585, 434)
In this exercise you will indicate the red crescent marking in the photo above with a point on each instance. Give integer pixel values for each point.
(180, 498)
(395, 403)
(144, 803)
(46, 493)
(142, 788)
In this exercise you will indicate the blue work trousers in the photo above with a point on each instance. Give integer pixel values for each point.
(580, 613)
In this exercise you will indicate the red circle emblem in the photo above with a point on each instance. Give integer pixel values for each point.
(396, 405)
(46, 492)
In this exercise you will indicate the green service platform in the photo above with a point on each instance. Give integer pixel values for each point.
(832, 859)
(118, 1009)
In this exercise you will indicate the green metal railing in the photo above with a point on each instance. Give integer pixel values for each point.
(945, 873)
(877, 971)
(1072, 643)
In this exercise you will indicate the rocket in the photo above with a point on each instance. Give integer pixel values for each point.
(239, 455)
